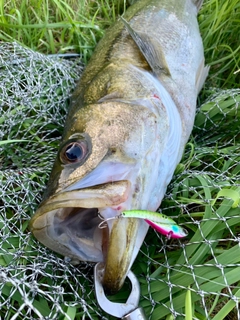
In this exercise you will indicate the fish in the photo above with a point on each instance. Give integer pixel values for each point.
(130, 117)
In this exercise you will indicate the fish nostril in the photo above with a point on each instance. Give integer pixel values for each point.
(113, 150)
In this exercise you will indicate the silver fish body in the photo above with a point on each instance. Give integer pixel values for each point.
(131, 116)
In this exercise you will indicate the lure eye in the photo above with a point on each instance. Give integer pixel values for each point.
(74, 152)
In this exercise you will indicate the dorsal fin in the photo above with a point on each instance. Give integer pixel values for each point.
(150, 49)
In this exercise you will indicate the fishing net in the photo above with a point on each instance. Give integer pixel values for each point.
(36, 283)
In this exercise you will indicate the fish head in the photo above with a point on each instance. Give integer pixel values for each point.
(102, 167)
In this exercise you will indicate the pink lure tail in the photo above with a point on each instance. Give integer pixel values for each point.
(170, 230)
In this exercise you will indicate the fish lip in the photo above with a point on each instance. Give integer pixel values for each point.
(108, 194)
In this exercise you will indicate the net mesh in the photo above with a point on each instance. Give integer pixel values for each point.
(203, 196)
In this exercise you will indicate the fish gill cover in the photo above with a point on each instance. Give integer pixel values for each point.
(203, 197)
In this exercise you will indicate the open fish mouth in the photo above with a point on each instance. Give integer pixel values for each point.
(68, 223)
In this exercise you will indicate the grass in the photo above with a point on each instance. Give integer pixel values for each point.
(219, 24)
(64, 26)
(58, 26)
(204, 195)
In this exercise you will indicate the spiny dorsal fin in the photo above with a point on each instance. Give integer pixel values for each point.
(147, 45)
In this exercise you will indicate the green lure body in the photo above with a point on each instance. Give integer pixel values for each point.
(149, 215)
(158, 221)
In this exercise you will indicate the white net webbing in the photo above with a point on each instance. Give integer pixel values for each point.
(35, 283)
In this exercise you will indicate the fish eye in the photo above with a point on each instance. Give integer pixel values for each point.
(74, 152)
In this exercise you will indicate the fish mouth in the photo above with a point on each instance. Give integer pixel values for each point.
(68, 223)
(71, 219)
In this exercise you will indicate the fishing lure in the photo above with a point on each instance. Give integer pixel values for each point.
(158, 221)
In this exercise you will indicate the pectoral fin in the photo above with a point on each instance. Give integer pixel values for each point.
(150, 49)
